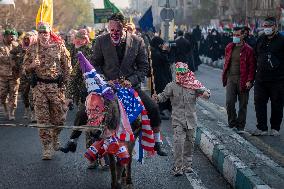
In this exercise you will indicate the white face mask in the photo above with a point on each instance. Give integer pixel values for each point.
(268, 31)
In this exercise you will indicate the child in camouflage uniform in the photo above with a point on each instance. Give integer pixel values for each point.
(183, 94)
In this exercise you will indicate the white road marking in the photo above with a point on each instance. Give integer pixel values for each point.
(195, 182)
(193, 177)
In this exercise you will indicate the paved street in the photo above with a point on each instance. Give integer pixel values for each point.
(272, 146)
(21, 166)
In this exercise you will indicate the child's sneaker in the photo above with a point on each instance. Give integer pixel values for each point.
(274, 132)
(177, 172)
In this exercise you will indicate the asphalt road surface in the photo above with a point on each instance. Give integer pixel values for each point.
(21, 166)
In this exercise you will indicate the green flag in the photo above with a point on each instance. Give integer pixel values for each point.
(110, 5)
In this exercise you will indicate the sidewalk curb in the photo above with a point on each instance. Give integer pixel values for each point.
(216, 64)
(231, 167)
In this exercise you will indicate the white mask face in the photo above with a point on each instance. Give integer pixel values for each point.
(268, 31)
(116, 31)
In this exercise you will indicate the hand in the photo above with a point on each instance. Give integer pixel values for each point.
(206, 95)
(126, 83)
(248, 85)
(155, 97)
(165, 47)
(111, 82)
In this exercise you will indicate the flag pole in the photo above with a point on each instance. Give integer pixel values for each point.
(152, 71)
(41, 10)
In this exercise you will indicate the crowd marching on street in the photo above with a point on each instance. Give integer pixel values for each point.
(57, 72)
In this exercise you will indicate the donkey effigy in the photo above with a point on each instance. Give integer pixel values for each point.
(116, 116)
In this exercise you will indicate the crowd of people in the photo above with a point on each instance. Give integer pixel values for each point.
(250, 59)
(44, 67)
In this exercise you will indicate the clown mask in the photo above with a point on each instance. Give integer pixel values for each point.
(95, 109)
(81, 38)
(116, 31)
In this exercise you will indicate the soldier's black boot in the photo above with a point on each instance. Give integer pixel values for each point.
(159, 150)
(70, 146)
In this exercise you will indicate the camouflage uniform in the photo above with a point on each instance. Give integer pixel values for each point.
(9, 78)
(77, 91)
(26, 92)
(71, 48)
(48, 95)
(24, 88)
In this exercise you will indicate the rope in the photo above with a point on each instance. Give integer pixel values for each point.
(43, 126)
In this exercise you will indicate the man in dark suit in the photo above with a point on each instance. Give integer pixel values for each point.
(119, 54)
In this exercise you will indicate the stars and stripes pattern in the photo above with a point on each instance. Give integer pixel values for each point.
(131, 104)
(134, 107)
(95, 83)
(124, 131)
(147, 134)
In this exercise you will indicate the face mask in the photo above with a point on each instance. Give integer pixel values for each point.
(116, 31)
(236, 40)
(268, 31)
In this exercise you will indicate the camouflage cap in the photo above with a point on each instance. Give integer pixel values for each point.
(43, 27)
(10, 32)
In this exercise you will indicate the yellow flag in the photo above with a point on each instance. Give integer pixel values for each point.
(131, 20)
(45, 12)
(92, 34)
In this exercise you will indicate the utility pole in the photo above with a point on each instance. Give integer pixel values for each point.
(167, 15)
(167, 23)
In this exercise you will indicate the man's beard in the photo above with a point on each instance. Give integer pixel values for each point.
(116, 41)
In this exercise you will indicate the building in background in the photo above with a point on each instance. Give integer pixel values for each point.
(202, 12)
(140, 5)
(240, 11)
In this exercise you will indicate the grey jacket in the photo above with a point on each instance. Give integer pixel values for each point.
(183, 104)
(134, 66)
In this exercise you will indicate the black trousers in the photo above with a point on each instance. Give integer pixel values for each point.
(263, 91)
(81, 118)
(152, 109)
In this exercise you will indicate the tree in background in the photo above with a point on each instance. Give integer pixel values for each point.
(67, 14)
(207, 11)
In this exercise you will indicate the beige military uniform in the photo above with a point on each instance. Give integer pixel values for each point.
(9, 79)
(48, 95)
(184, 121)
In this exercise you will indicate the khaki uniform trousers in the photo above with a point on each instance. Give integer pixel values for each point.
(50, 109)
(9, 88)
(183, 146)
